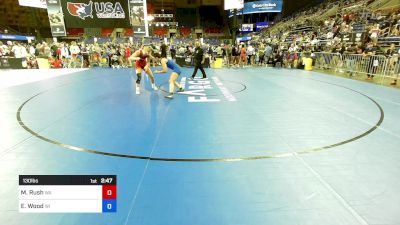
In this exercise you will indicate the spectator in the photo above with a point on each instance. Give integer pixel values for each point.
(261, 55)
(369, 52)
(250, 53)
(243, 56)
(268, 53)
(228, 50)
(16, 50)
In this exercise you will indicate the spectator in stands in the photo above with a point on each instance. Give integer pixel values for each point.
(53, 49)
(235, 55)
(243, 56)
(74, 50)
(395, 32)
(115, 58)
(261, 55)
(4, 51)
(369, 52)
(276, 59)
(350, 61)
(31, 50)
(173, 51)
(128, 53)
(268, 53)
(223, 51)
(85, 55)
(65, 52)
(181, 50)
(228, 59)
(374, 33)
(18, 50)
(46, 49)
(96, 52)
(394, 65)
(163, 49)
(251, 54)
(55, 62)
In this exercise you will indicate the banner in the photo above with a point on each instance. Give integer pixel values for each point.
(259, 7)
(261, 25)
(56, 18)
(137, 17)
(241, 39)
(95, 13)
(162, 15)
(359, 28)
(263, 6)
(233, 4)
(16, 37)
(352, 38)
(346, 37)
(247, 27)
(33, 3)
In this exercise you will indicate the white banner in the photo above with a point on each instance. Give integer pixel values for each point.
(233, 4)
(56, 18)
(137, 15)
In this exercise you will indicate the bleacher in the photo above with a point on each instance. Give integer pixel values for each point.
(182, 40)
(103, 40)
(151, 40)
(212, 41)
(121, 40)
(305, 24)
(302, 29)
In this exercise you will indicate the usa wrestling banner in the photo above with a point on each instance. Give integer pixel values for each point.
(56, 18)
(137, 17)
(96, 13)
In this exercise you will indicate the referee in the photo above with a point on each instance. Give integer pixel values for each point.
(198, 61)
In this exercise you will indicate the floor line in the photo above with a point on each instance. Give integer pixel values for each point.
(7, 150)
(146, 167)
(348, 114)
(338, 197)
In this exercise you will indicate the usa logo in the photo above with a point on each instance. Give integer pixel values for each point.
(80, 10)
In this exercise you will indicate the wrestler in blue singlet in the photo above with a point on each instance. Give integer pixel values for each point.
(174, 67)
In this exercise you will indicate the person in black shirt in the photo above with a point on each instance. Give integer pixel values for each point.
(235, 56)
(173, 51)
(163, 50)
(393, 56)
(373, 62)
(198, 61)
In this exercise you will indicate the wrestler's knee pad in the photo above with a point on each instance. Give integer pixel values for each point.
(139, 78)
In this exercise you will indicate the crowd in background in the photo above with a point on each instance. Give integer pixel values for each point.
(285, 44)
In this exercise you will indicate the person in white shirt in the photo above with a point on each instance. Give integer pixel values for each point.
(16, 49)
(3, 49)
(31, 51)
(46, 50)
(181, 50)
(64, 51)
(219, 51)
(250, 52)
(329, 35)
(23, 51)
(24, 55)
(75, 50)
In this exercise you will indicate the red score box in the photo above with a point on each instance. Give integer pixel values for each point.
(109, 192)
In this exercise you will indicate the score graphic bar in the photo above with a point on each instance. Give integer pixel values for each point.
(67, 193)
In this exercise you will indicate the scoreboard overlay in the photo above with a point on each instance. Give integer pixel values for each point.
(67, 193)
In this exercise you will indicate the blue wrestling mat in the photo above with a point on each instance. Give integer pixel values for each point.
(243, 147)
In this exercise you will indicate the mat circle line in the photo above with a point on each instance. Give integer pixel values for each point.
(222, 159)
